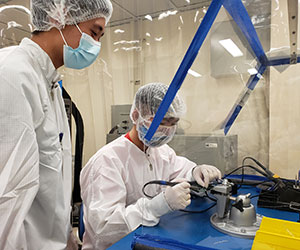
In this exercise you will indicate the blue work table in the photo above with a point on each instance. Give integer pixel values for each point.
(195, 228)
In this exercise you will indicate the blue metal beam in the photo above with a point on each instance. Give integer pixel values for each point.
(253, 80)
(240, 15)
(276, 61)
(187, 62)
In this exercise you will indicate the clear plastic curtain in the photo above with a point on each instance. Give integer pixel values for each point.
(143, 49)
(150, 50)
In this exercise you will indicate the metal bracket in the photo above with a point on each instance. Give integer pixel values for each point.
(293, 28)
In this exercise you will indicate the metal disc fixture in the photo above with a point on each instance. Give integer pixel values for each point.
(238, 218)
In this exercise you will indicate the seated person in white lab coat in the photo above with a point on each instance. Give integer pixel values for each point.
(112, 180)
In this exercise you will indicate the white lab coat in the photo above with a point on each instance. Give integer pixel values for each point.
(35, 168)
(111, 189)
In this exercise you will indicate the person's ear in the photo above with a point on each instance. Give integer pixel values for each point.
(135, 115)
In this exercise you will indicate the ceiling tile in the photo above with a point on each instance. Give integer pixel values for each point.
(119, 14)
(25, 3)
(192, 3)
(143, 7)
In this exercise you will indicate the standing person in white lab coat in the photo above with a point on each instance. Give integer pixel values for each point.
(35, 148)
(112, 180)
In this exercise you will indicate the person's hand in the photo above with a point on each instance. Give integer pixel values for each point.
(178, 196)
(204, 174)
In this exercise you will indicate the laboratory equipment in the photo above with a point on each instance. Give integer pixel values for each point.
(217, 150)
(238, 218)
(120, 121)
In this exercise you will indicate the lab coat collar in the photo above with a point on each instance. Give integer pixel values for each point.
(137, 150)
(43, 60)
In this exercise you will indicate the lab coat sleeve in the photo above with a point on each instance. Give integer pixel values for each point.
(19, 161)
(104, 196)
(182, 167)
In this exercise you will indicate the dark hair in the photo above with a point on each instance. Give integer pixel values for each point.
(36, 32)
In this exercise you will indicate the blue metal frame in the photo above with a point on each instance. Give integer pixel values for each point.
(240, 15)
(186, 63)
(236, 109)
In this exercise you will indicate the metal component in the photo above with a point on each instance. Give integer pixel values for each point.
(293, 28)
(226, 225)
(246, 217)
(297, 181)
(242, 220)
(224, 188)
(245, 198)
(293, 59)
(222, 193)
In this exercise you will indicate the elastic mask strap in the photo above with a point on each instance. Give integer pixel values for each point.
(78, 28)
(63, 37)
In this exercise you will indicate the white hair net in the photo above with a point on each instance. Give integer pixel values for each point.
(47, 14)
(148, 98)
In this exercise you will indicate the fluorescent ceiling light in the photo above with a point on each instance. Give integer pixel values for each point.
(188, 1)
(149, 17)
(231, 47)
(181, 19)
(148, 34)
(30, 27)
(119, 31)
(194, 73)
(132, 48)
(196, 15)
(166, 14)
(15, 7)
(13, 24)
(158, 39)
(252, 71)
(126, 42)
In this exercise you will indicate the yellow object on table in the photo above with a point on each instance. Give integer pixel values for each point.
(275, 234)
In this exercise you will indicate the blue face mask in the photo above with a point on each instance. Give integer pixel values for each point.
(83, 56)
(163, 135)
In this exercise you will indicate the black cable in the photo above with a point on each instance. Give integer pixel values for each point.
(114, 129)
(199, 211)
(212, 199)
(242, 180)
(270, 173)
(193, 187)
(270, 178)
(249, 166)
(158, 182)
(248, 184)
